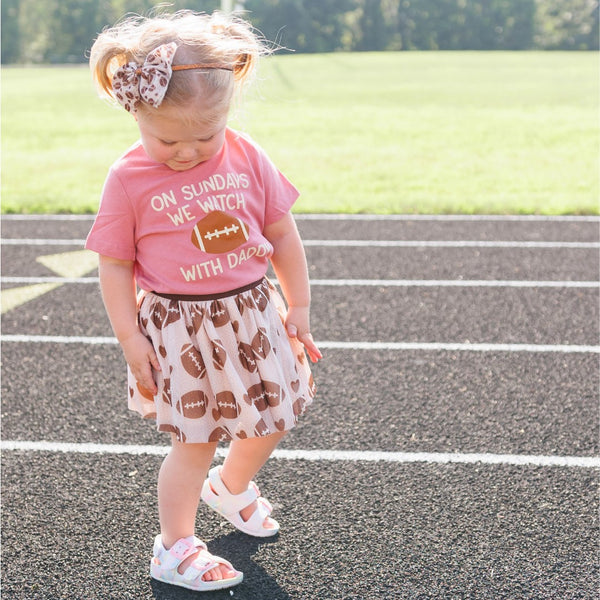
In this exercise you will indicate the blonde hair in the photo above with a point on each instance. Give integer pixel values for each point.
(201, 38)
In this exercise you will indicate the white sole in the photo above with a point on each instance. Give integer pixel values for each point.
(207, 586)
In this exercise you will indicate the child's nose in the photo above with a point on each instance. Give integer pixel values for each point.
(187, 151)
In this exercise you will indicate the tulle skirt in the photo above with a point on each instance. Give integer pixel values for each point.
(228, 368)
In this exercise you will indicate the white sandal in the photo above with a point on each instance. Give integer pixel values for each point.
(229, 505)
(165, 563)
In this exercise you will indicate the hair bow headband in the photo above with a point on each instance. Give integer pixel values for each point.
(148, 83)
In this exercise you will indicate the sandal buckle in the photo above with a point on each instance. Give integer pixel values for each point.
(181, 548)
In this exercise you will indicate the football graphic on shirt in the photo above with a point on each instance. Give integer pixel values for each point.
(219, 232)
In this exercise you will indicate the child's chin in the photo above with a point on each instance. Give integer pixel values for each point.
(183, 166)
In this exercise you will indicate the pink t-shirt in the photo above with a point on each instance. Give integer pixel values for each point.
(197, 231)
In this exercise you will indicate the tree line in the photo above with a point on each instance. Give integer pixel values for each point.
(62, 31)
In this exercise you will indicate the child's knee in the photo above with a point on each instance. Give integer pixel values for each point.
(193, 454)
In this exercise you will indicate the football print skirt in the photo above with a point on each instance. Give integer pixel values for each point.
(228, 368)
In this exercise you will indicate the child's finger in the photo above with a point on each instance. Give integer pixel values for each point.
(154, 361)
(313, 352)
(144, 377)
(150, 385)
(315, 356)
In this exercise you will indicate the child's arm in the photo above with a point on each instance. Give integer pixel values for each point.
(289, 263)
(119, 295)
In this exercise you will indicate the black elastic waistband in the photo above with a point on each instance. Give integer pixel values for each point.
(205, 297)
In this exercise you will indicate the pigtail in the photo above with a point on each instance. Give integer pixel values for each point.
(114, 47)
(104, 62)
(243, 67)
(245, 43)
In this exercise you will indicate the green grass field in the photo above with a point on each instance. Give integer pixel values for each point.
(422, 132)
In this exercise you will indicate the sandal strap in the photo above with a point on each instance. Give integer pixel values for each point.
(263, 510)
(231, 503)
(181, 549)
(266, 504)
(205, 561)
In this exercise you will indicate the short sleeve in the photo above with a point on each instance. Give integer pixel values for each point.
(280, 193)
(113, 231)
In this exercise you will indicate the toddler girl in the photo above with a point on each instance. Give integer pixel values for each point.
(192, 214)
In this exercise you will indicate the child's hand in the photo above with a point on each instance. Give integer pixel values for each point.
(297, 326)
(141, 358)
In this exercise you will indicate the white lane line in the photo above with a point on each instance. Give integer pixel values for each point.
(406, 346)
(323, 455)
(40, 217)
(454, 347)
(454, 283)
(57, 339)
(354, 217)
(363, 282)
(397, 217)
(29, 280)
(447, 244)
(355, 243)
(41, 242)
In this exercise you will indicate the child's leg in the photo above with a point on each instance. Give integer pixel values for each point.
(244, 460)
(179, 484)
